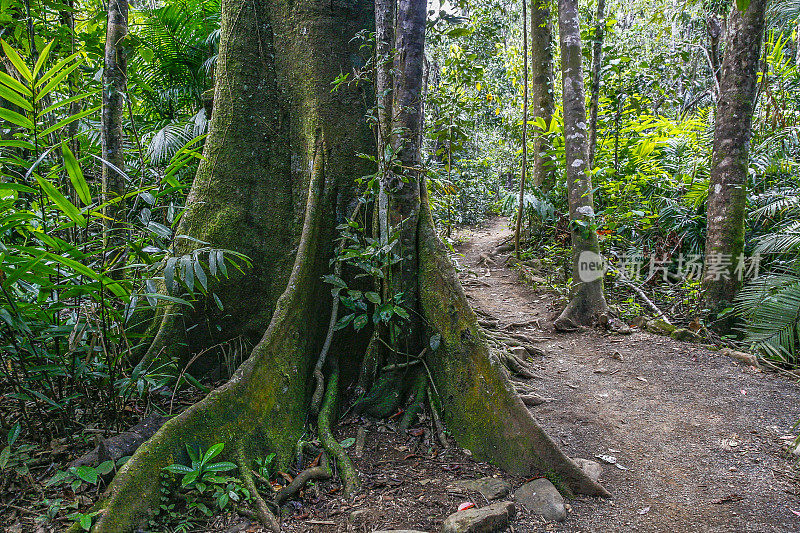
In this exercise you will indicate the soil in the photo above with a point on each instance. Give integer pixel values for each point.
(699, 440)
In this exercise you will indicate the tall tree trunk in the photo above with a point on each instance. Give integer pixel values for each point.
(264, 407)
(727, 193)
(524, 165)
(597, 63)
(403, 181)
(588, 301)
(115, 85)
(544, 104)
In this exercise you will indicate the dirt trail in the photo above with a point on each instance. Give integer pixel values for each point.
(699, 436)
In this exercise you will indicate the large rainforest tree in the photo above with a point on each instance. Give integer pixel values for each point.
(277, 182)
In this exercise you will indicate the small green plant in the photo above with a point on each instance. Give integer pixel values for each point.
(75, 476)
(202, 489)
(202, 471)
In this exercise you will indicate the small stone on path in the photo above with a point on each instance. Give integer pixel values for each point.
(489, 519)
(542, 498)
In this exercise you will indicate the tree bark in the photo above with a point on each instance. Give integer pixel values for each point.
(597, 63)
(403, 181)
(727, 193)
(272, 103)
(524, 165)
(544, 104)
(115, 85)
(588, 301)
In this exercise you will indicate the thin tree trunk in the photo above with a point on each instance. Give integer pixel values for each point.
(402, 185)
(727, 193)
(544, 104)
(588, 301)
(115, 81)
(597, 63)
(524, 170)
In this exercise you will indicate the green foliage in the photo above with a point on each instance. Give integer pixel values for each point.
(203, 489)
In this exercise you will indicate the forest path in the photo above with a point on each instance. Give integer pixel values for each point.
(699, 436)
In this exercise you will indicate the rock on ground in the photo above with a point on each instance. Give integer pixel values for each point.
(541, 497)
(491, 488)
(591, 468)
(489, 519)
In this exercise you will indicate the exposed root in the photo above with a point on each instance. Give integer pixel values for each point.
(323, 471)
(437, 421)
(346, 469)
(265, 516)
(417, 402)
(361, 439)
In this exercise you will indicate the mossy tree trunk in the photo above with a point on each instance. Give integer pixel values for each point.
(588, 300)
(727, 193)
(272, 102)
(265, 406)
(543, 101)
(115, 83)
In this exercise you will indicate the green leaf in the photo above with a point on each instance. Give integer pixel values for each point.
(105, 467)
(159, 229)
(187, 268)
(13, 433)
(213, 451)
(16, 118)
(742, 5)
(67, 207)
(200, 274)
(343, 322)
(169, 273)
(76, 175)
(346, 443)
(4, 456)
(373, 297)
(8, 81)
(360, 321)
(17, 61)
(190, 478)
(87, 473)
(42, 58)
(220, 467)
(61, 123)
(177, 469)
(66, 101)
(15, 98)
(58, 78)
(334, 280)
(86, 522)
(193, 454)
(112, 285)
(56, 68)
